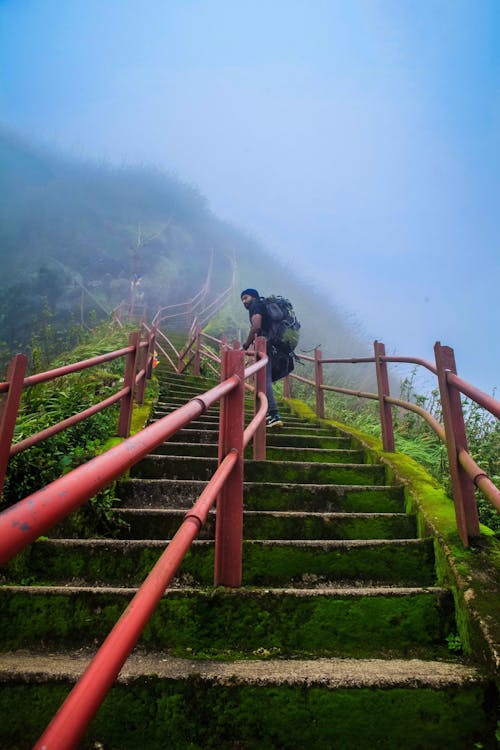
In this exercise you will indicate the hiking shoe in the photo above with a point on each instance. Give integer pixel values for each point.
(274, 420)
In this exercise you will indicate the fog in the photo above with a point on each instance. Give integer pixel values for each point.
(358, 140)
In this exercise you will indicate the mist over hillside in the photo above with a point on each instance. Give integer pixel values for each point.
(73, 236)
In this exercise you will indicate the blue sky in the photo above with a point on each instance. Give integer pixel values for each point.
(358, 139)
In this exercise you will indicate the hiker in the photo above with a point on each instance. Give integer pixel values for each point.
(259, 326)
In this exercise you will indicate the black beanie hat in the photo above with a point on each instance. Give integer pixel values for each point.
(251, 292)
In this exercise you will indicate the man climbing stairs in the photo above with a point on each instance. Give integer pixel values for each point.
(336, 639)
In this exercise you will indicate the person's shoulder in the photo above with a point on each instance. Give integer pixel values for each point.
(257, 307)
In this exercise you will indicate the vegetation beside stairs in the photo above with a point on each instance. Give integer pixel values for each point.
(360, 623)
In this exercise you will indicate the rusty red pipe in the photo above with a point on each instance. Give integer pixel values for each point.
(71, 721)
(257, 420)
(481, 398)
(23, 522)
(58, 372)
(70, 422)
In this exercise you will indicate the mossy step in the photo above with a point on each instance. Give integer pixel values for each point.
(160, 523)
(182, 493)
(331, 455)
(238, 623)
(209, 418)
(196, 467)
(265, 563)
(200, 424)
(346, 704)
(317, 455)
(273, 439)
(186, 381)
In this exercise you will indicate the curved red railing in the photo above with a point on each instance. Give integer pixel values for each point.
(464, 471)
(23, 522)
(138, 357)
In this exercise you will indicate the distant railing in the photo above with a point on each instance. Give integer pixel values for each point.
(25, 521)
(138, 355)
(464, 472)
(184, 314)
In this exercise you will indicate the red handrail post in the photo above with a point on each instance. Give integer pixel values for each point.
(383, 391)
(259, 440)
(9, 405)
(197, 351)
(456, 440)
(287, 387)
(318, 377)
(127, 401)
(229, 518)
(142, 365)
(151, 353)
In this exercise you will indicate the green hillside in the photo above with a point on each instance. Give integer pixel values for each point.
(74, 234)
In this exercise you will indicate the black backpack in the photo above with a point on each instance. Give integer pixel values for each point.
(283, 323)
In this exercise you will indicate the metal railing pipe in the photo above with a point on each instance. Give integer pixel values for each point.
(308, 381)
(211, 338)
(71, 721)
(29, 442)
(431, 421)
(347, 360)
(252, 369)
(349, 392)
(167, 356)
(257, 420)
(22, 523)
(412, 361)
(58, 372)
(259, 443)
(480, 479)
(481, 398)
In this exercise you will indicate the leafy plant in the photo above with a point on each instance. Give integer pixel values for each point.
(49, 403)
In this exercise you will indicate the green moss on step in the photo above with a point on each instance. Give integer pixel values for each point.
(263, 564)
(473, 574)
(217, 623)
(155, 714)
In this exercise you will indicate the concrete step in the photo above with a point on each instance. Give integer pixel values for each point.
(204, 423)
(273, 453)
(273, 439)
(159, 523)
(182, 493)
(160, 701)
(188, 622)
(157, 466)
(400, 562)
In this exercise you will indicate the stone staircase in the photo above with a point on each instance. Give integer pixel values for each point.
(337, 638)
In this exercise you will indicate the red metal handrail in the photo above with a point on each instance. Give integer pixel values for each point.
(26, 520)
(29, 442)
(465, 473)
(136, 351)
(58, 372)
(72, 719)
